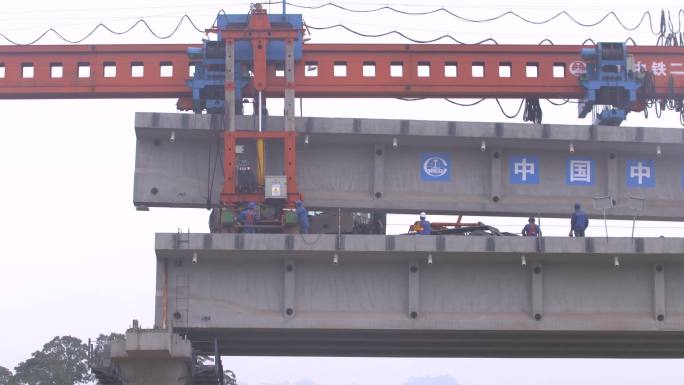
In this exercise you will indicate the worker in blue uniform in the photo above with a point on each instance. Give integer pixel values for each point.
(531, 229)
(302, 217)
(248, 217)
(425, 226)
(578, 222)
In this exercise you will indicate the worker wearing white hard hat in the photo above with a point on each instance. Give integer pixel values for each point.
(425, 227)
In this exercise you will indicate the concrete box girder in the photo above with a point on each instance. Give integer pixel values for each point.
(265, 294)
(351, 164)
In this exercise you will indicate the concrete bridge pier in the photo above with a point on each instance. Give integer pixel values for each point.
(151, 357)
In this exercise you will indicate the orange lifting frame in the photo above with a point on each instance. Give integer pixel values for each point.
(436, 61)
(229, 194)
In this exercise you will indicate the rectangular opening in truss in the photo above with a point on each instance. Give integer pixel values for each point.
(137, 69)
(27, 70)
(280, 70)
(423, 69)
(109, 69)
(310, 69)
(56, 70)
(505, 69)
(478, 69)
(340, 69)
(396, 69)
(369, 69)
(558, 70)
(166, 69)
(83, 70)
(450, 69)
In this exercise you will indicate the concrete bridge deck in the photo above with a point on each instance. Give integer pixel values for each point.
(375, 295)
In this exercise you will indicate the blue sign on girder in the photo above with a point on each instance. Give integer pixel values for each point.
(640, 173)
(435, 167)
(523, 169)
(580, 172)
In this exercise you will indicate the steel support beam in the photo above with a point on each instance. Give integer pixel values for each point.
(427, 70)
(229, 89)
(272, 294)
(353, 164)
(289, 110)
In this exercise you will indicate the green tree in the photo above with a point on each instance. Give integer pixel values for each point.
(101, 346)
(6, 377)
(62, 361)
(104, 340)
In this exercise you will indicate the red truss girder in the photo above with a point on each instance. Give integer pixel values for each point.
(411, 83)
(122, 85)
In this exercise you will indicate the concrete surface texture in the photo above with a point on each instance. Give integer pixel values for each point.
(152, 357)
(441, 167)
(374, 295)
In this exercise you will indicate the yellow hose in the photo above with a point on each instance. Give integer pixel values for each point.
(261, 163)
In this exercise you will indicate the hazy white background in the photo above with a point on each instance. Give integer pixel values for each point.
(76, 258)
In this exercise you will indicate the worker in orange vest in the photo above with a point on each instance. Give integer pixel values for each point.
(531, 229)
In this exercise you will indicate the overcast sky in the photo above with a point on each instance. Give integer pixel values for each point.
(78, 259)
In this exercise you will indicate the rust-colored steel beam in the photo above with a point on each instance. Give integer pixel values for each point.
(94, 71)
(363, 70)
(436, 70)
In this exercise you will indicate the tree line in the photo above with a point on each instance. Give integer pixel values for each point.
(62, 361)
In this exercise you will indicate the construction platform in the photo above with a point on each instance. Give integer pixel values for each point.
(423, 296)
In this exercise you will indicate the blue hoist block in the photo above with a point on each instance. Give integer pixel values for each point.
(611, 81)
(611, 116)
(208, 82)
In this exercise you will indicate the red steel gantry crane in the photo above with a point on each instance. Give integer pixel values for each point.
(340, 71)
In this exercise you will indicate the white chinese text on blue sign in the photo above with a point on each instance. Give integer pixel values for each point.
(580, 172)
(523, 169)
(640, 173)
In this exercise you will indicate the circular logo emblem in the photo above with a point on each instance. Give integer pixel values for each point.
(435, 166)
(578, 68)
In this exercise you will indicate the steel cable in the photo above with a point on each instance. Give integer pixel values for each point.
(464, 104)
(646, 16)
(504, 112)
(110, 30)
(186, 17)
